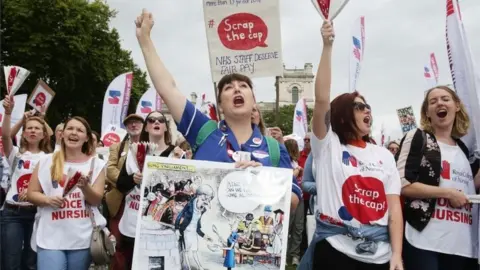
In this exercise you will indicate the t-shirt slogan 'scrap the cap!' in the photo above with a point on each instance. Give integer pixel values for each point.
(329, 9)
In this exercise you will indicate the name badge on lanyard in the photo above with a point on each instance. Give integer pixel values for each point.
(238, 155)
(241, 156)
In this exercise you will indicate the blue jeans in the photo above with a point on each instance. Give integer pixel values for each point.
(48, 259)
(16, 231)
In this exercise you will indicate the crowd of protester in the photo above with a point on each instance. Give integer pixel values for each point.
(351, 186)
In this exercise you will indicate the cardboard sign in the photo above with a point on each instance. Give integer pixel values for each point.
(41, 97)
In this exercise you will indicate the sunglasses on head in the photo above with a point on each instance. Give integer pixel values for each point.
(361, 106)
(152, 120)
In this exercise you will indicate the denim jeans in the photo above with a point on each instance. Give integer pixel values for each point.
(48, 259)
(16, 231)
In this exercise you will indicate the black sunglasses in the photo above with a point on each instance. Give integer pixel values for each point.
(361, 106)
(152, 120)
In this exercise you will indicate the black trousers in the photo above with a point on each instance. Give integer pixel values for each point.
(328, 258)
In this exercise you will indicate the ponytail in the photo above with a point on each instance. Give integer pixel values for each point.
(58, 161)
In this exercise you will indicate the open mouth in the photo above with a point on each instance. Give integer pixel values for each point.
(156, 128)
(367, 120)
(442, 113)
(238, 101)
(73, 139)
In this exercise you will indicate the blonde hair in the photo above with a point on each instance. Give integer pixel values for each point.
(58, 159)
(44, 144)
(461, 122)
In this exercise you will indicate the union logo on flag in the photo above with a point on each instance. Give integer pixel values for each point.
(298, 115)
(357, 47)
(427, 73)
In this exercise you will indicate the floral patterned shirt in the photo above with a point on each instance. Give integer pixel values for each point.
(419, 160)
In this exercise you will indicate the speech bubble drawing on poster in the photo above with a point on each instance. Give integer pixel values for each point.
(41, 97)
(243, 31)
(235, 192)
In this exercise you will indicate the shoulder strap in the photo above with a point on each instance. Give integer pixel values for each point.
(273, 150)
(88, 206)
(206, 130)
(121, 146)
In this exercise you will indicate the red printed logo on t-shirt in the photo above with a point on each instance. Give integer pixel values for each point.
(445, 170)
(22, 182)
(364, 198)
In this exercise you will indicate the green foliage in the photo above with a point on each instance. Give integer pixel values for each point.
(285, 118)
(69, 45)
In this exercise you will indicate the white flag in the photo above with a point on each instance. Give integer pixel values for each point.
(430, 72)
(329, 9)
(462, 67)
(14, 78)
(300, 124)
(357, 49)
(116, 101)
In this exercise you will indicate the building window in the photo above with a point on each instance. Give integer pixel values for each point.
(294, 94)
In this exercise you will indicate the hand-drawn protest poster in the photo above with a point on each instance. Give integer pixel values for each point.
(41, 97)
(243, 37)
(407, 119)
(208, 215)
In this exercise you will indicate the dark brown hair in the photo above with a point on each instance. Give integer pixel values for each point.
(96, 135)
(261, 123)
(229, 79)
(166, 136)
(292, 149)
(343, 117)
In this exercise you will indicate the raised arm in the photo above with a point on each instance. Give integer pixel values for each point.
(321, 111)
(162, 79)
(8, 105)
(16, 128)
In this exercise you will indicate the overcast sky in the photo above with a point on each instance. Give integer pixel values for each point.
(400, 35)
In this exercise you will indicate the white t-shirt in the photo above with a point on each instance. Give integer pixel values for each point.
(21, 174)
(68, 227)
(352, 184)
(450, 230)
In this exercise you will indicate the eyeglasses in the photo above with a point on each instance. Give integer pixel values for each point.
(152, 120)
(361, 106)
(306, 140)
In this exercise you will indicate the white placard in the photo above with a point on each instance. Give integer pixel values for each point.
(243, 37)
(114, 134)
(209, 213)
(41, 97)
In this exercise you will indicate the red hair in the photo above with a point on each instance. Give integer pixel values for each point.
(343, 117)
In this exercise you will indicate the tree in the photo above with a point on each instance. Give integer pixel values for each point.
(285, 118)
(69, 45)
